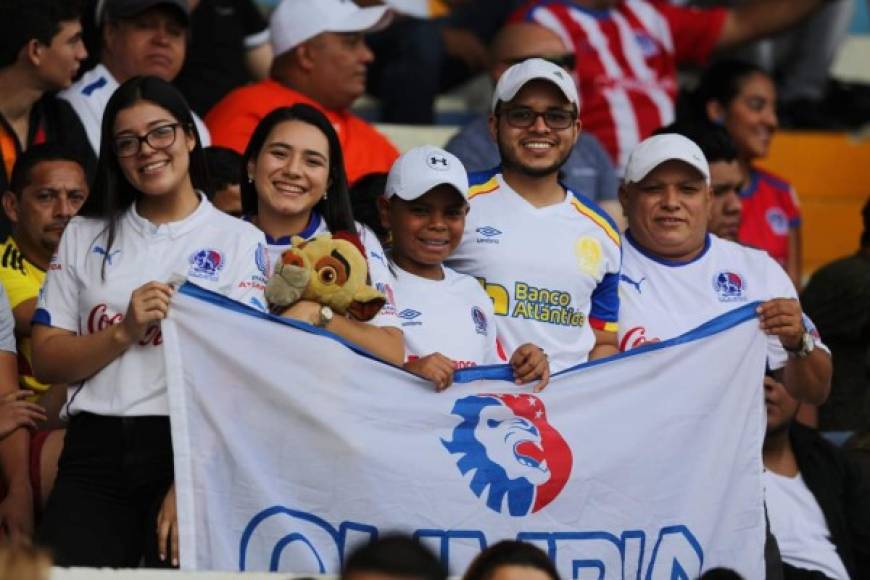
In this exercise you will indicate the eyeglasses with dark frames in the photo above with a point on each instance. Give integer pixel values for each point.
(158, 138)
(524, 117)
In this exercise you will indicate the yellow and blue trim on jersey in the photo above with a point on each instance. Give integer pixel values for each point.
(482, 182)
(590, 209)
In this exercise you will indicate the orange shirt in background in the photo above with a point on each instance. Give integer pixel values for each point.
(232, 122)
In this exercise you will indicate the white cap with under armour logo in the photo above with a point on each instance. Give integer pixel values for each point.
(421, 169)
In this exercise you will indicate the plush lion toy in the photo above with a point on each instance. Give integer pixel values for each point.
(331, 271)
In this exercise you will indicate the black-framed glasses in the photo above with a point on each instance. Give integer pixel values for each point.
(567, 61)
(158, 138)
(524, 117)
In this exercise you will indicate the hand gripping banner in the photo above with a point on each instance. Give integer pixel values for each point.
(291, 447)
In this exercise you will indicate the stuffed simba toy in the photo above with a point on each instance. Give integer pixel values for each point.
(331, 271)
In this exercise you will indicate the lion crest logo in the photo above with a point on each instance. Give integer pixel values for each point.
(518, 462)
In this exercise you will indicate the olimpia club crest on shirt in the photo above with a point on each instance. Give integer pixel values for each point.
(479, 320)
(777, 220)
(206, 263)
(730, 286)
(519, 463)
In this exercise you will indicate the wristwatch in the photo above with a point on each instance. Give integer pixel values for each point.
(326, 315)
(807, 345)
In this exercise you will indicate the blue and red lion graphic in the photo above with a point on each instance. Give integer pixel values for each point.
(520, 463)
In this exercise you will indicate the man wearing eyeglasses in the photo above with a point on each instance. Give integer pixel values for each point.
(548, 257)
(588, 169)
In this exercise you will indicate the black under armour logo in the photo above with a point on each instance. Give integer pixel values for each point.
(436, 160)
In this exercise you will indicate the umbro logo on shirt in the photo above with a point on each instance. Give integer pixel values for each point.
(488, 235)
(408, 315)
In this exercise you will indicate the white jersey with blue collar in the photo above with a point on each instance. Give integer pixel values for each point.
(552, 272)
(379, 270)
(209, 248)
(662, 299)
(89, 96)
(453, 316)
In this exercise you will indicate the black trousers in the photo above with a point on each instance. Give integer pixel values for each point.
(112, 477)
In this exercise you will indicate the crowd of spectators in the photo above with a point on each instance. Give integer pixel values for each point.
(133, 133)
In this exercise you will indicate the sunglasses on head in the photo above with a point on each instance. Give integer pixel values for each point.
(567, 61)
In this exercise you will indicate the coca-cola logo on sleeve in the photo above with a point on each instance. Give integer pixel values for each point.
(102, 318)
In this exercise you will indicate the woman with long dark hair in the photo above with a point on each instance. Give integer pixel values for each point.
(742, 97)
(146, 224)
(294, 184)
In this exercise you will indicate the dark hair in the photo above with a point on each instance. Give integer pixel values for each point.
(335, 208)
(721, 83)
(111, 194)
(509, 553)
(22, 172)
(364, 196)
(396, 555)
(224, 167)
(24, 20)
(721, 574)
(715, 142)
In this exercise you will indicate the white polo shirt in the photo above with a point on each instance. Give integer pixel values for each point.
(209, 248)
(552, 272)
(379, 272)
(91, 93)
(662, 299)
(453, 316)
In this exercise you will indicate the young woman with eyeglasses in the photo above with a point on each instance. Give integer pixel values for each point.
(97, 327)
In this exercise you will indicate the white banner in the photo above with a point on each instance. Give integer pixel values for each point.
(290, 448)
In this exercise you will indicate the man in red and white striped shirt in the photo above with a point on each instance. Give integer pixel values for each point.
(628, 52)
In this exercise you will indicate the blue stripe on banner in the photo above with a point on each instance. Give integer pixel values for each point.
(490, 372)
(713, 326)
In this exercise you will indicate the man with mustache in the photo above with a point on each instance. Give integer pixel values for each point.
(47, 188)
(138, 37)
(676, 276)
(726, 179)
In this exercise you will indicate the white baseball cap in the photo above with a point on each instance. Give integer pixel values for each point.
(295, 21)
(422, 168)
(652, 152)
(516, 77)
